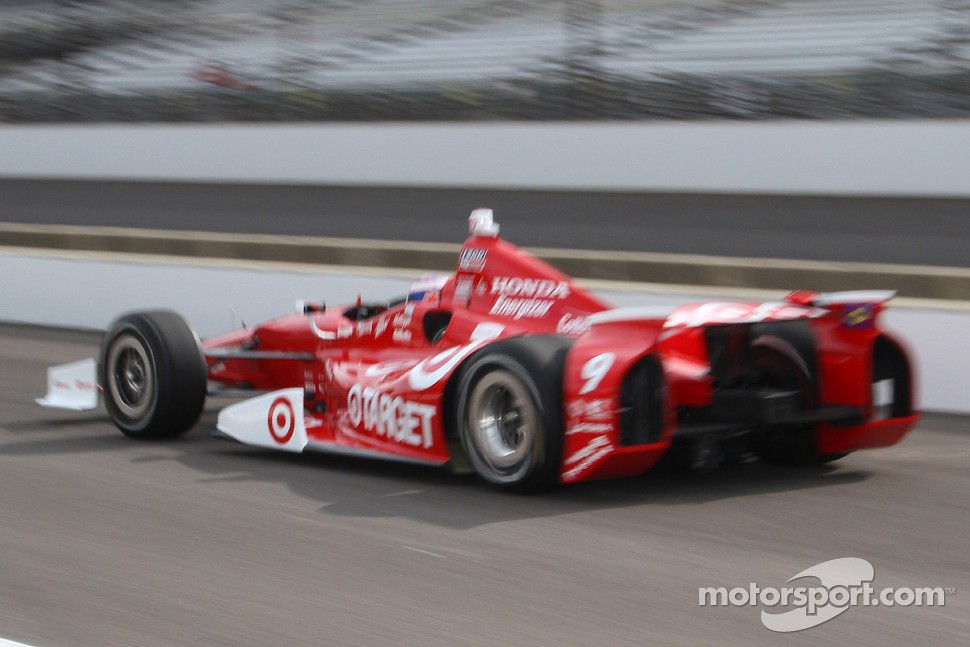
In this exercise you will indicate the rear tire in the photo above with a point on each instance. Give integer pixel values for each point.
(153, 374)
(791, 446)
(509, 412)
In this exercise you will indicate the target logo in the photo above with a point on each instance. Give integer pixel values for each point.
(281, 420)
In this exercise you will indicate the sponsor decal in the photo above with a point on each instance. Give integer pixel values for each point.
(487, 330)
(472, 260)
(403, 319)
(714, 312)
(383, 369)
(572, 325)
(281, 420)
(842, 583)
(526, 298)
(594, 370)
(344, 331)
(401, 335)
(519, 308)
(588, 450)
(390, 416)
(584, 458)
(80, 385)
(430, 371)
(589, 428)
(538, 288)
(365, 327)
(597, 409)
(381, 326)
(862, 315)
(593, 416)
(463, 290)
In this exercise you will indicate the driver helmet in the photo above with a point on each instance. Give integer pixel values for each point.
(427, 289)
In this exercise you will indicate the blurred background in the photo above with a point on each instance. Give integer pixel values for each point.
(329, 60)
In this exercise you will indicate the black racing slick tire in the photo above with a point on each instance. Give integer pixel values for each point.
(153, 375)
(794, 446)
(509, 412)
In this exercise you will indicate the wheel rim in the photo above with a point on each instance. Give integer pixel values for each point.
(131, 379)
(502, 419)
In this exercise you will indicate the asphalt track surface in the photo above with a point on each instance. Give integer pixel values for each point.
(106, 541)
(904, 231)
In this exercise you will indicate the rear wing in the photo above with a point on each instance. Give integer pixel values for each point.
(827, 299)
(855, 308)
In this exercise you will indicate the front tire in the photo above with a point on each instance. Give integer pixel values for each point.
(509, 413)
(153, 374)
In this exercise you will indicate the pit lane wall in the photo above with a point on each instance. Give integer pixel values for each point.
(864, 158)
(89, 289)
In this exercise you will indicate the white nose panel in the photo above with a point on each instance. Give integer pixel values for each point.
(72, 386)
(274, 420)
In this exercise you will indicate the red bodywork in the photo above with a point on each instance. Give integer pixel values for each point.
(379, 378)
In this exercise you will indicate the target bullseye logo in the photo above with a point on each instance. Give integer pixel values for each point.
(281, 420)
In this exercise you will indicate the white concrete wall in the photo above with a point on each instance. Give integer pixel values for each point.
(85, 290)
(903, 158)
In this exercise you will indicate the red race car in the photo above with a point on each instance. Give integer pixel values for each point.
(509, 366)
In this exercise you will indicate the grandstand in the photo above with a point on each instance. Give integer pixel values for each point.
(482, 58)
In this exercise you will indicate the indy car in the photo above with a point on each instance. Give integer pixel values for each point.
(510, 368)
